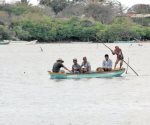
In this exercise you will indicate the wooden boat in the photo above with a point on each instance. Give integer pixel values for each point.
(109, 74)
(4, 42)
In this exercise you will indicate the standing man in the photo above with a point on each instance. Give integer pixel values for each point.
(107, 63)
(59, 64)
(120, 57)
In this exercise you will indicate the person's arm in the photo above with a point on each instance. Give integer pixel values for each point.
(67, 69)
(113, 52)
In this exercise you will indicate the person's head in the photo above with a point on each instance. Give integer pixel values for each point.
(106, 56)
(116, 47)
(75, 61)
(84, 59)
(60, 60)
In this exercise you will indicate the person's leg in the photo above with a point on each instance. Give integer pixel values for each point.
(121, 63)
(116, 63)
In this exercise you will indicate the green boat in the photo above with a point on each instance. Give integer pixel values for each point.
(108, 74)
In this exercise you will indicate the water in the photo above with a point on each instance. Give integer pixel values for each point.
(29, 97)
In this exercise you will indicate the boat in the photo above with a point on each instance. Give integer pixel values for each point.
(133, 41)
(4, 42)
(24, 42)
(102, 74)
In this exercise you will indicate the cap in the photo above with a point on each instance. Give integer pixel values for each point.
(60, 60)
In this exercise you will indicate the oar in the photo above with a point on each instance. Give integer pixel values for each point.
(123, 60)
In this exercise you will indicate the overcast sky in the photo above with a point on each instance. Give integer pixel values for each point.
(127, 3)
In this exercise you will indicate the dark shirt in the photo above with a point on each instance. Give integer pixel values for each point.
(57, 66)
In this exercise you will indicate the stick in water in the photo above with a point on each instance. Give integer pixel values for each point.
(127, 66)
(131, 68)
(41, 49)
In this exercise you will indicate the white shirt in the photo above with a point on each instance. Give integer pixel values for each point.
(86, 65)
(107, 64)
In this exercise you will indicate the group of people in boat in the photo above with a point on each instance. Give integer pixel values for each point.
(85, 67)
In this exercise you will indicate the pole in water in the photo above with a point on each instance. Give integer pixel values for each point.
(41, 49)
(131, 68)
(127, 66)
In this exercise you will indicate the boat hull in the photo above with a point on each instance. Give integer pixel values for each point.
(114, 73)
(4, 42)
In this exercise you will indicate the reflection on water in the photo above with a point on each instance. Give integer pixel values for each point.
(29, 97)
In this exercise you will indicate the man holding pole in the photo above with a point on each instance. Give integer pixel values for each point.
(120, 57)
(119, 54)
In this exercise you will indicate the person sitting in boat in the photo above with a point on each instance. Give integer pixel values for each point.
(58, 65)
(120, 57)
(85, 66)
(107, 63)
(76, 68)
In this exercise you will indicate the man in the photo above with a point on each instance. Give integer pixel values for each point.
(76, 68)
(85, 66)
(58, 65)
(120, 57)
(107, 63)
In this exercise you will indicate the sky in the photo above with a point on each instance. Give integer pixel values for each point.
(127, 3)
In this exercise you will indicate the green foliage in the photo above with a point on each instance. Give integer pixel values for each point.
(147, 33)
(32, 23)
(56, 5)
(4, 33)
(142, 21)
(122, 29)
(20, 9)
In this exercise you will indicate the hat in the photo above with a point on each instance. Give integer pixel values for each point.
(74, 59)
(60, 60)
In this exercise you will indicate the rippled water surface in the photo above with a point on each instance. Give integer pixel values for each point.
(29, 97)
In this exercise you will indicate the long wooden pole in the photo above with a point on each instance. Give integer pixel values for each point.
(123, 61)
(127, 66)
(131, 68)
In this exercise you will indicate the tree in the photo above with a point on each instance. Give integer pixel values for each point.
(118, 8)
(24, 1)
(140, 9)
(102, 13)
(56, 5)
(72, 10)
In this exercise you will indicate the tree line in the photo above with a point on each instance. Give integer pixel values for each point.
(65, 20)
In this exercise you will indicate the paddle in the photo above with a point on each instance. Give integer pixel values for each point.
(123, 60)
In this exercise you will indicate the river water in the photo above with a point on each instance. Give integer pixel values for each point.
(29, 97)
